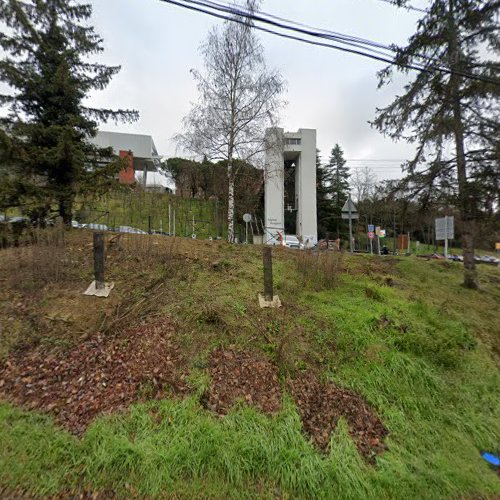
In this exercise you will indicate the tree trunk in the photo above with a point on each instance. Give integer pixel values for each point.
(230, 203)
(466, 208)
(66, 209)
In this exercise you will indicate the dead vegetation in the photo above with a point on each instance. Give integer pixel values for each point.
(319, 270)
(100, 375)
(321, 405)
(242, 376)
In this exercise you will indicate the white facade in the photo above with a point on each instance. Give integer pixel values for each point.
(142, 146)
(300, 148)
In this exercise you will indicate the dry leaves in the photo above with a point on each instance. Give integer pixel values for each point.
(242, 375)
(322, 404)
(101, 375)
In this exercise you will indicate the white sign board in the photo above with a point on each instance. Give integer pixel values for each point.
(445, 228)
(354, 215)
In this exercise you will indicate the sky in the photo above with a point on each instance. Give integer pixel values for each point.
(335, 93)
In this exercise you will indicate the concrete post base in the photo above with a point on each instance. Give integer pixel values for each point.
(99, 292)
(275, 303)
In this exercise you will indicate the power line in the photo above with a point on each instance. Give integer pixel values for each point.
(406, 7)
(344, 39)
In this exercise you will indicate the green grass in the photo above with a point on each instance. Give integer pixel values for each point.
(423, 352)
(133, 208)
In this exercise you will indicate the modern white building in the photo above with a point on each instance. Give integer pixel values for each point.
(140, 149)
(299, 150)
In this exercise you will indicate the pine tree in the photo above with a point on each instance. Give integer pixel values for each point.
(338, 175)
(324, 203)
(44, 139)
(452, 117)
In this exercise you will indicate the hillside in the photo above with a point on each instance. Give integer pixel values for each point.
(378, 377)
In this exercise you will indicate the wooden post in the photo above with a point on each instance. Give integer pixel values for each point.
(99, 260)
(267, 258)
(150, 231)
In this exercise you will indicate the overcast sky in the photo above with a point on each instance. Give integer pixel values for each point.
(336, 93)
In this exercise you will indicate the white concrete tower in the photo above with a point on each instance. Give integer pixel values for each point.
(300, 148)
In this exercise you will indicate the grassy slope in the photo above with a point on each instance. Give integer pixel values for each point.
(403, 333)
(128, 208)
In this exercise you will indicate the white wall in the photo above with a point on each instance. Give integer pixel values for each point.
(305, 182)
(274, 185)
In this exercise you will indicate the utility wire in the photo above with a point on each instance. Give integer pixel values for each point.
(243, 17)
(338, 37)
(406, 7)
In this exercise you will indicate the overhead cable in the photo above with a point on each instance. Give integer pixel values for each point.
(353, 46)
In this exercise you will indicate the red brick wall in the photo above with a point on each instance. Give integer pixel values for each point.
(127, 175)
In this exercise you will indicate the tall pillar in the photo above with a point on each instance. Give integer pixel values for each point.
(274, 181)
(306, 182)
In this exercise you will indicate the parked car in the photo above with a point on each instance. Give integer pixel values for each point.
(96, 227)
(76, 225)
(291, 241)
(20, 220)
(131, 230)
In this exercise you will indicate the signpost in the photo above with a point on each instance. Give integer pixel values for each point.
(349, 211)
(371, 235)
(445, 230)
(246, 218)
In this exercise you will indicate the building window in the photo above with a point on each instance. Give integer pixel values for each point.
(292, 141)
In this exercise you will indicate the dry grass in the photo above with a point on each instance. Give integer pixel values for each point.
(319, 270)
(41, 258)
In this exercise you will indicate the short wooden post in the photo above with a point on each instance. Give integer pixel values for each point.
(99, 260)
(267, 258)
(150, 231)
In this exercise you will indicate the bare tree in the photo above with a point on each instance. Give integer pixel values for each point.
(238, 98)
(363, 183)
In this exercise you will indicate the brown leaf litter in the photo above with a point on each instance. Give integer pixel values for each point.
(242, 375)
(101, 375)
(250, 377)
(322, 404)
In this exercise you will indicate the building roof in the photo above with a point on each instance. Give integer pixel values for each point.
(142, 146)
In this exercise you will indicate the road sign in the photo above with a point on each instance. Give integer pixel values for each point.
(371, 228)
(350, 212)
(371, 235)
(445, 228)
(247, 217)
(349, 206)
(381, 233)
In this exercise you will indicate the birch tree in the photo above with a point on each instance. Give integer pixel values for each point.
(239, 97)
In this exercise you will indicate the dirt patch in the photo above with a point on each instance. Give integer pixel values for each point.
(322, 404)
(101, 375)
(242, 375)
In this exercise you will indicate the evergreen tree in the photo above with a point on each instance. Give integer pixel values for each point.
(44, 139)
(451, 116)
(338, 175)
(324, 203)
